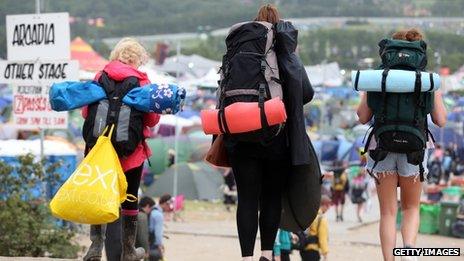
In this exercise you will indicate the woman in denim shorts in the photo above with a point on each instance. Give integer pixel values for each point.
(395, 170)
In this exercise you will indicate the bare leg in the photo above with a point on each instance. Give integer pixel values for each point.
(388, 207)
(411, 189)
(359, 211)
(341, 211)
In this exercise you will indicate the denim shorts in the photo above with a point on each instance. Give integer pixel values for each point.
(397, 163)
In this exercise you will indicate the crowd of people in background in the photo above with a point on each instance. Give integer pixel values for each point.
(150, 232)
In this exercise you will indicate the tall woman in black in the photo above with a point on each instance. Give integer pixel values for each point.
(260, 170)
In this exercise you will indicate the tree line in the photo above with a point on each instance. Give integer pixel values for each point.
(148, 17)
(349, 46)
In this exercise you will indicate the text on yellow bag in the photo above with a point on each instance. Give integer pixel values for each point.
(94, 192)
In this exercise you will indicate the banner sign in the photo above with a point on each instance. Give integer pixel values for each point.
(38, 72)
(39, 53)
(31, 109)
(33, 36)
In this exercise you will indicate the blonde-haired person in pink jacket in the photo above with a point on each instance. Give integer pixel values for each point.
(126, 58)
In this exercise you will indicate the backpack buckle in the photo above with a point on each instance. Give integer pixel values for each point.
(263, 65)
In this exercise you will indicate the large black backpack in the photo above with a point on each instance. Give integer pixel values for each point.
(127, 120)
(400, 119)
(250, 73)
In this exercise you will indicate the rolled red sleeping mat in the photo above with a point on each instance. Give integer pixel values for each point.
(243, 117)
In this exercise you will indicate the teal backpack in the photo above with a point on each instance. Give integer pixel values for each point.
(400, 119)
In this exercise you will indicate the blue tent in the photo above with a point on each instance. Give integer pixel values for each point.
(456, 116)
(353, 156)
(54, 152)
(460, 102)
(188, 113)
(447, 136)
(329, 151)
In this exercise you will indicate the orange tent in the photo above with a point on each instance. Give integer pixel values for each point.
(89, 60)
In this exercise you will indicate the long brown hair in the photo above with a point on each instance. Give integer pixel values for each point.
(410, 35)
(268, 13)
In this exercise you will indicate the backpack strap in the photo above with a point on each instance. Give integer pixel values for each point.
(369, 138)
(356, 81)
(371, 172)
(432, 84)
(223, 127)
(127, 85)
(383, 114)
(421, 172)
(417, 100)
(108, 84)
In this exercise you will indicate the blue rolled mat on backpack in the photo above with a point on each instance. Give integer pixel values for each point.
(66, 96)
(399, 81)
(157, 98)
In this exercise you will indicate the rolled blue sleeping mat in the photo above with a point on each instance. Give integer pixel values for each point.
(66, 96)
(158, 98)
(399, 81)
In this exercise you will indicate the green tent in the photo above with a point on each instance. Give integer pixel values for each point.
(197, 180)
(191, 148)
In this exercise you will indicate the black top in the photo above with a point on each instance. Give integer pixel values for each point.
(278, 147)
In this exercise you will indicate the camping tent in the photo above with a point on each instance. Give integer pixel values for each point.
(195, 181)
(54, 151)
(325, 74)
(194, 64)
(329, 151)
(190, 148)
(89, 60)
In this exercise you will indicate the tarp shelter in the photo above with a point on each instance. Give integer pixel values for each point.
(194, 64)
(329, 151)
(168, 124)
(89, 59)
(198, 181)
(54, 151)
(156, 76)
(325, 75)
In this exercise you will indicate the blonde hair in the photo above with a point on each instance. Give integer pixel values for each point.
(129, 51)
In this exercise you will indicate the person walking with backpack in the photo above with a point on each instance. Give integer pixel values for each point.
(339, 188)
(316, 237)
(260, 159)
(358, 192)
(399, 140)
(118, 77)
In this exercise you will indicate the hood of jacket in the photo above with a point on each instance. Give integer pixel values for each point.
(118, 71)
(286, 37)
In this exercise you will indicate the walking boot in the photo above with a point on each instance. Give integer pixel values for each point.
(97, 236)
(129, 230)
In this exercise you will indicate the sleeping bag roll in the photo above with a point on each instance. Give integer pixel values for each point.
(70, 95)
(157, 98)
(399, 81)
(243, 117)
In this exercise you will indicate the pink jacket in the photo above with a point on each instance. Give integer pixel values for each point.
(119, 71)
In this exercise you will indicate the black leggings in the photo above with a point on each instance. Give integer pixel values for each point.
(133, 177)
(310, 255)
(259, 186)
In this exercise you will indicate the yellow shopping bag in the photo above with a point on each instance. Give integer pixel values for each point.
(94, 192)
